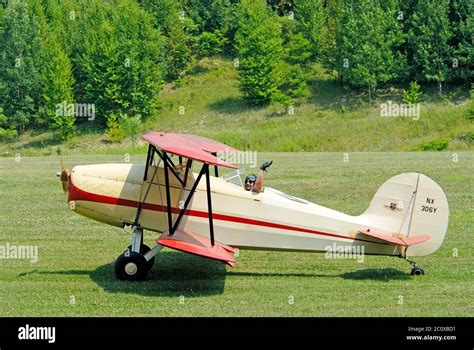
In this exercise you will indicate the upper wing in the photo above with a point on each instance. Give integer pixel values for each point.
(190, 146)
(209, 145)
(403, 241)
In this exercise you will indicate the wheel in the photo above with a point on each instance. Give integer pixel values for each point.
(131, 266)
(417, 271)
(143, 250)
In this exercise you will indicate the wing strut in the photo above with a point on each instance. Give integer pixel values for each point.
(168, 192)
(186, 203)
(209, 203)
(216, 168)
(149, 161)
(170, 168)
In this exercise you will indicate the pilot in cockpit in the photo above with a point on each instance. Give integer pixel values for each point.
(255, 183)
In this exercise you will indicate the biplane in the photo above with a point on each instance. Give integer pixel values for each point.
(179, 194)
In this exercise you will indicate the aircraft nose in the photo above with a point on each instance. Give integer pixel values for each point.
(64, 175)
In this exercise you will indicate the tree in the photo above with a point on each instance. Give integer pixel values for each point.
(117, 59)
(171, 20)
(368, 37)
(428, 37)
(281, 7)
(20, 80)
(211, 43)
(296, 57)
(65, 16)
(298, 49)
(259, 46)
(215, 16)
(57, 85)
(461, 21)
(55, 72)
(310, 17)
(6, 133)
(330, 54)
(2, 17)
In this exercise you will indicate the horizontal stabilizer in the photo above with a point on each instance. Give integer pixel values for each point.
(193, 243)
(403, 241)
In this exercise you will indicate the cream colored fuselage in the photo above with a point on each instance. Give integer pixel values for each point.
(270, 220)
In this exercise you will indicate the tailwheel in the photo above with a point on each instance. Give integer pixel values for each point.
(143, 250)
(417, 271)
(131, 266)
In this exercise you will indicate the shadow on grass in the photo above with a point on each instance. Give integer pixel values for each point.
(367, 274)
(85, 127)
(173, 275)
(200, 69)
(386, 274)
(331, 94)
(232, 105)
(277, 274)
(177, 274)
(327, 94)
(52, 141)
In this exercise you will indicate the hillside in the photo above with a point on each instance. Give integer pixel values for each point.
(208, 103)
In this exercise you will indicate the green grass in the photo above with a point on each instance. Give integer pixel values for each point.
(329, 119)
(76, 254)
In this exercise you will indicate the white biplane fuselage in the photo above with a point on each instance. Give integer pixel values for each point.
(408, 214)
(270, 220)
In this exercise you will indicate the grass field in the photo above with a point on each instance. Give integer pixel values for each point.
(74, 273)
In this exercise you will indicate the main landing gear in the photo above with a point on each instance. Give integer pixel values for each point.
(137, 260)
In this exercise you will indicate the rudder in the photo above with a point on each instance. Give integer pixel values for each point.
(411, 204)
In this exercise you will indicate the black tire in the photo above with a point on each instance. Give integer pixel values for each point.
(131, 266)
(143, 250)
(417, 271)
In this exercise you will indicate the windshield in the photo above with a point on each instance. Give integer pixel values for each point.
(234, 177)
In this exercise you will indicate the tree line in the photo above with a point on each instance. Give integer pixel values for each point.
(366, 44)
(60, 57)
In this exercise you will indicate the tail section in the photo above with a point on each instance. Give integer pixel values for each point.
(411, 205)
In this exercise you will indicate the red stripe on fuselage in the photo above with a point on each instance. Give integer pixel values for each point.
(76, 194)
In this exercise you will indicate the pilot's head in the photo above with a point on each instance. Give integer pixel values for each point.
(250, 182)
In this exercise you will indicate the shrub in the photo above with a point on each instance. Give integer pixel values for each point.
(131, 126)
(211, 44)
(470, 112)
(114, 132)
(7, 135)
(434, 145)
(413, 94)
(468, 137)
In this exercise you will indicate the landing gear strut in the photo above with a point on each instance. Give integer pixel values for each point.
(137, 260)
(416, 270)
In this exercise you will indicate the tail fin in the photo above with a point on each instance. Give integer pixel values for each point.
(411, 205)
